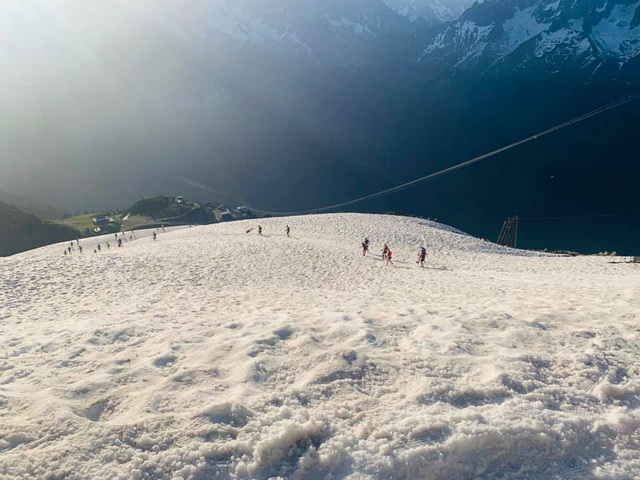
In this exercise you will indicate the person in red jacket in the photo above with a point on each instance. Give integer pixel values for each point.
(389, 256)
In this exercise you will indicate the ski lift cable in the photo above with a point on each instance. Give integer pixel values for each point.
(459, 166)
(569, 217)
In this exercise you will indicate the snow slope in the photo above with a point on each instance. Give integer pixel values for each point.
(213, 353)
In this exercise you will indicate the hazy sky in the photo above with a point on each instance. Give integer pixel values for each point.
(102, 102)
(89, 90)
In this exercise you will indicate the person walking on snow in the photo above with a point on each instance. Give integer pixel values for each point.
(365, 247)
(422, 256)
(389, 255)
(288, 230)
(260, 230)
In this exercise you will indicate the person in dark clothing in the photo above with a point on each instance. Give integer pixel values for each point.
(365, 247)
(422, 255)
(288, 230)
(260, 230)
(155, 236)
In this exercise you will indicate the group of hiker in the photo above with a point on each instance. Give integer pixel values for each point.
(71, 247)
(119, 239)
(387, 254)
(287, 230)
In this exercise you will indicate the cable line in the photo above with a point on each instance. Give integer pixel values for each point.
(568, 217)
(431, 176)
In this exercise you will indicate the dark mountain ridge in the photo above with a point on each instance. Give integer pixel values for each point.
(21, 231)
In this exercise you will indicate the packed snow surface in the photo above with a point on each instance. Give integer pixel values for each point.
(216, 353)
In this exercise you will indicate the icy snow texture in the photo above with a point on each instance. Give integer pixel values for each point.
(521, 28)
(214, 353)
(614, 34)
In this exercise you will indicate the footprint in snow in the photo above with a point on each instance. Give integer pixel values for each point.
(165, 361)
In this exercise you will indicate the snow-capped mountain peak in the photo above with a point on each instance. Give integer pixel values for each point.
(564, 33)
(431, 12)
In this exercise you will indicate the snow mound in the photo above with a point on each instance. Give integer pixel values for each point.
(216, 353)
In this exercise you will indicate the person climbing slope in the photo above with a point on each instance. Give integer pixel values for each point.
(389, 256)
(422, 255)
(365, 247)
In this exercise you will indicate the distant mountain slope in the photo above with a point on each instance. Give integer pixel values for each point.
(429, 12)
(28, 205)
(20, 231)
(291, 105)
(577, 38)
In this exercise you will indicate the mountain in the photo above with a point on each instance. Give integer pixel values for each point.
(224, 101)
(211, 353)
(327, 31)
(584, 39)
(429, 12)
(20, 231)
(27, 205)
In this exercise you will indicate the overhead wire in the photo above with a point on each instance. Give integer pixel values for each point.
(570, 217)
(615, 104)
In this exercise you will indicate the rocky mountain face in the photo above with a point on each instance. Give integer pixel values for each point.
(427, 13)
(594, 40)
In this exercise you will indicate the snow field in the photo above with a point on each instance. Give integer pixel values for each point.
(213, 353)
